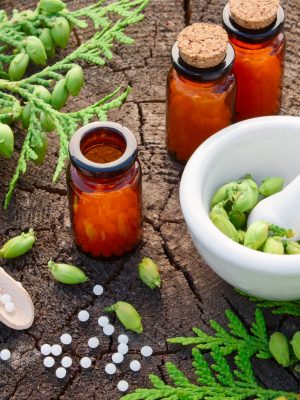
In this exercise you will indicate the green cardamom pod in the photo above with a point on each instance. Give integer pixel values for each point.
(238, 219)
(279, 348)
(273, 245)
(47, 122)
(296, 344)
(42, 93)
(36, 50)
(18, 67)
(222, 222)
(18, 245)
(26, 113)
(292, 248)
(6, 141)
(40, 149)
(51, 6)
(47, 40)
(246, 196)
(256, 235)
(60, 32)
(222, 193)
(68, 274)
(271, 186)
(75, 80)
(127, 315)
(59, 95)
(149, 273)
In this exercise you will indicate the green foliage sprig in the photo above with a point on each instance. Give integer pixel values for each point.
(96, 50)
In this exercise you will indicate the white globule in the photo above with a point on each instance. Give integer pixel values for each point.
(108, 330)
(5, 354)
(66, 338)
(56, 349)
(83, 315)
(123, 386)
(85, 362)
(135, 365)
(98, 290)
(110, 369)
(117, 358)
(61, 372)
(146, 351)
(66, 362)
(103, 321)
(93, 342)
(5, 298)
(49, 362)
(9, 307)
(123, 348)
(123, 339)
(46, 349)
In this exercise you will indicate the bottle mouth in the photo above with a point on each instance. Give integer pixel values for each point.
(203, 74)
(253, 35)
(99, 149)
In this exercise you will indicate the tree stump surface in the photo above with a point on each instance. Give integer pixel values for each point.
(191, 294)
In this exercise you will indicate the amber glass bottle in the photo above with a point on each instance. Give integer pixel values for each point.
(258, 66)
(200, 102)
(104, 186)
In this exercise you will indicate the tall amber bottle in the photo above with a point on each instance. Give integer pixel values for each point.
(259, 62)
(200, 89)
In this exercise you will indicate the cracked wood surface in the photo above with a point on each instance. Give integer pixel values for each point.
(191, 293)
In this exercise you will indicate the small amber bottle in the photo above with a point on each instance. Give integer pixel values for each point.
(255, 29)
(104, 187)
(200, 88)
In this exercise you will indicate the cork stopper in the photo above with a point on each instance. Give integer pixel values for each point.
(203, 45)
(253, 14)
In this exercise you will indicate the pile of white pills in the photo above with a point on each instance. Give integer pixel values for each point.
(7, 302)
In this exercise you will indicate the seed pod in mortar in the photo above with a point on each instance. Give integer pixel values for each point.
(296, 344)
(127, 315)
(6, 141)
(75, 80)
(224, 225)
(68, 274)
(273, 245)
(36, 50)
(51, 6)
(42, 93)
(149, 273)
(60, 32)
(18, 67)
(40, 149)
(47, 40)
(292, 248)
(59, 95)
(47, 122)
(247, 196)
(26, 115)
(279, 348)
(271, 186)
(242, 235)
(238, 219)
(222, 193)
(256, 235)
(18, 245)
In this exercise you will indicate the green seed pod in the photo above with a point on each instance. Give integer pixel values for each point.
(246, 197)
(256, 235)
(241, 236)
(238, 219)
(279, 348)
(52, 6)
(296, 344)
(222, 193)
(47, 40)
(6, 141)
(36, 50)
(18, 67)
(47, 122)
(40, 149)
(18, 245)
(127, 315)
(60, 32)
(292, 248)
(149, 273)
(224, 225)
(273, 245)
(42, 93)
(68, 274)
(26, 116)
(59, 95)
(75, 80)
(271, 186)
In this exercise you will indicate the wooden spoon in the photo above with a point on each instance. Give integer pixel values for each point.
(23, 315)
